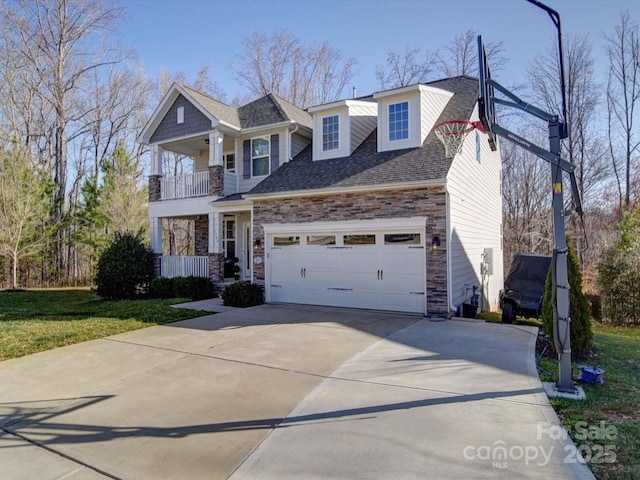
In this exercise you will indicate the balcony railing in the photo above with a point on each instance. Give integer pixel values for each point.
(184, 186)
(184, 266)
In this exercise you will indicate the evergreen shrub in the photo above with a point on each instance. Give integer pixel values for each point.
(125, 268)
(243, 294)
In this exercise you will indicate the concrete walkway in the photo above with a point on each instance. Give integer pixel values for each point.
(284, 392)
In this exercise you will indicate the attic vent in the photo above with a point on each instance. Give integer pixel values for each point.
(180, 115)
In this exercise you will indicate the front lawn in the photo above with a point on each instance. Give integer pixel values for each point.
(606, 426)
(37, 320)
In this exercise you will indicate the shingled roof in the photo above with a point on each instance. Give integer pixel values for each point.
(219, 110)
(271, 109)
(267, 110)
(368, 167)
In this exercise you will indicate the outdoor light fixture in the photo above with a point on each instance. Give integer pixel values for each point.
(435, 243)
(257, 244)
(206, 140)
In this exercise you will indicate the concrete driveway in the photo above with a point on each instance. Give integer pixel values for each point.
(284, 392)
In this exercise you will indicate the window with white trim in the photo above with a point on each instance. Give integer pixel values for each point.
(398, 121)
(230, 162)
(330, 133)
(260, 153)
(180, 116)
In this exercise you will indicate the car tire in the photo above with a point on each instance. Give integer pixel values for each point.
(507, 313)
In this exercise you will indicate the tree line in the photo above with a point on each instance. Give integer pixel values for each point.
(72, 101)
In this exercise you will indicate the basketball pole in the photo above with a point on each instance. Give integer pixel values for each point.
(560, 275)
(557, 131)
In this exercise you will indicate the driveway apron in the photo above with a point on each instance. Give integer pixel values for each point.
(283, 392)
(186, 400)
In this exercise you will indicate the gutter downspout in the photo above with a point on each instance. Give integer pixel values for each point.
(449, 233)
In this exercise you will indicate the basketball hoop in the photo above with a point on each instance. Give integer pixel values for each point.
(453, 133)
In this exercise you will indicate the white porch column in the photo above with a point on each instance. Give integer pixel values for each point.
(155, 232)
(156, 160)
(215, 148)
(215, 233)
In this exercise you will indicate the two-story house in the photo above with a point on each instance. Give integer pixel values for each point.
(353, 203)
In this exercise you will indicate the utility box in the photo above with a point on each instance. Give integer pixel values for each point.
(488, 261)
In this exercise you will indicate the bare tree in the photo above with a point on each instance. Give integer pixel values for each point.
(460, 57)
(527, 220)
(402, 69)
(116, 102)
(623, 96)
(584, 147)
(282, 64)
(61, 42)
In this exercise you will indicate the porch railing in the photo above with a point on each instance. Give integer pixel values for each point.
(184, 266)
(184, 186)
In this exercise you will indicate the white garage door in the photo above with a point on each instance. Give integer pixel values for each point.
(382, 270)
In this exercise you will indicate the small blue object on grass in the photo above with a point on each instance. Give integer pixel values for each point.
(591, 374)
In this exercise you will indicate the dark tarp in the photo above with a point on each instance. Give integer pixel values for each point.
(526, 278)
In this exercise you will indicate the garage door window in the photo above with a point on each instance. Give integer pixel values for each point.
(286, 241)
(359, 239)
(321, 239)
(402, 239)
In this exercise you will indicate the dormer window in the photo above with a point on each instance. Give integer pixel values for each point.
(260, 152)
(398, 121)
(330, 133)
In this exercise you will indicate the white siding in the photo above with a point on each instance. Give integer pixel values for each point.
(298, 143)
(475, 219)
(230, 183)
(363, 121)
(432, 105)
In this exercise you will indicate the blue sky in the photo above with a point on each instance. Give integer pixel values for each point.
(187, 34)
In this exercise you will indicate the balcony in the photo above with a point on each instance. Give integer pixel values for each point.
(184, 186)
(184, 266)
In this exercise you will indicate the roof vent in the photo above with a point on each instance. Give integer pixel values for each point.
(355, 92)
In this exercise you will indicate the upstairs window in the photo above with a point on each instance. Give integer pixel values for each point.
(330, 133)
(260, 152)
(230, 162)
(398, 121)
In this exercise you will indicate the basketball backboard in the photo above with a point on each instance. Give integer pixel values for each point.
(486, 105)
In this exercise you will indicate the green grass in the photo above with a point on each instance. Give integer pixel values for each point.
(616, 402)
(496, 317)
(37, 320)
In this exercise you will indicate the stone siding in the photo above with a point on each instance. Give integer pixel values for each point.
(428, 202)
(201, 235)
(216, 181)
(157, 264)
(216, 267)
(154, 187)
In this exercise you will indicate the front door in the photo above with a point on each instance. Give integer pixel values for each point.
(246, 253)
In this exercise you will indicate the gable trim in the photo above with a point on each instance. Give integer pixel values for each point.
(165, 104)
